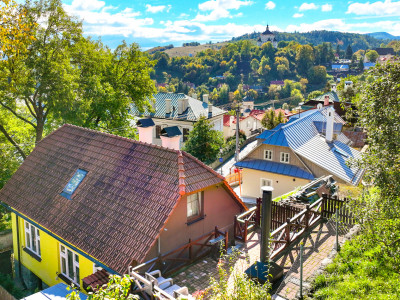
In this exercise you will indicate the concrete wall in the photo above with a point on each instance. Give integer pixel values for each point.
(49, 266)
(4, 295)
(219, 210)
(282, 184)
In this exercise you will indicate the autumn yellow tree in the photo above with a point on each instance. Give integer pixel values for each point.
(16, 30)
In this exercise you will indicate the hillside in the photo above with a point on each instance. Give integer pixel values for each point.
(383, 35)
(185, 51)
(317, 37)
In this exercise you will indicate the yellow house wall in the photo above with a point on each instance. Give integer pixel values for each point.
(282, 184)
(48, 268)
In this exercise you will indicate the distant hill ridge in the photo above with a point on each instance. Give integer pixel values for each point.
(383, 35)
(316, 37)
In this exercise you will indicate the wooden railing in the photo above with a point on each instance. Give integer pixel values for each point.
(234, 178)
(289, 223)
(175, 259)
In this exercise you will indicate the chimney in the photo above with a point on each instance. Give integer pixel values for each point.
(180, 106)
(231, 118)
(210, 108)
(171, 137)
(330, 116)
(145, 128)
(205, 98)
(185, 103)
(194, 96)
(168, 106)
(326, 100)
(333, 87)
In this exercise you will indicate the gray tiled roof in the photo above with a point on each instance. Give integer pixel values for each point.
(194, 111)
(303, 137)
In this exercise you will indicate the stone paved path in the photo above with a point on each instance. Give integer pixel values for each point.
(317, 247)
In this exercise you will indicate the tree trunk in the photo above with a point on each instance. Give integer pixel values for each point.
(10, 139)
(39, 131)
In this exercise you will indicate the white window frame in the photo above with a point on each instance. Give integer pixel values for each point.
(285, 157)
(269, 156)
(75, 264)
(190, 201)
(32, 242)
(262, 182)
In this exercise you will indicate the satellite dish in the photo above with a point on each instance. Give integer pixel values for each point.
(319, 106)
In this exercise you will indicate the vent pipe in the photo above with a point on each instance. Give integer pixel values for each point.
(205, 98)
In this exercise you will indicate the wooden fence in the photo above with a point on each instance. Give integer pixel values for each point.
(175, 259)
(289, 223)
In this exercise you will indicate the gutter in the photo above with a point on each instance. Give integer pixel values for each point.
(58, 239)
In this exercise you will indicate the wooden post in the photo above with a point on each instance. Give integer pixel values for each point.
(324, 200)
(258, 212)
(287, 232)
(235, 223)
(190, 249)
(246, 224)
(226, 241)
(307, 215)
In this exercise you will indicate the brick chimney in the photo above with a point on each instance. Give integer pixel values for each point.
(326, 100)
(171, 137)
(145, 128)
(330, 117)
(168, 106)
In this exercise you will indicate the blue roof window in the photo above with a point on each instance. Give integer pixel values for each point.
(73, 184)
(341, 152)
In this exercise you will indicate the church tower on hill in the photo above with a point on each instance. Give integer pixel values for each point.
(267, 36)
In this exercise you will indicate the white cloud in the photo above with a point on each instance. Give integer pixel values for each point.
(378, 8)
(270, 5)
(297, 15)
(156, 9)
(183, 15)
(219, 9)
(307, 6)
(326, 7)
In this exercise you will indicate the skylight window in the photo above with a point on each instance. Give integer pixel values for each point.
(73, 183)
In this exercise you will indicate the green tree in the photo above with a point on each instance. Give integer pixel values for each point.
(271, 119)
(204, 142)
(360, 66)
(372, 55)
(317, 75)
(304, 58)
(349, 52)
(314, 94)
(254, 65)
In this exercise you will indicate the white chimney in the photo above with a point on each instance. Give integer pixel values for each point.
(231, 118)
(171, 137)
(185, 103)
(205, 98)
(194, 96)
(145, 128)
(210, 107)
(330, 116)
(168, 106)
(333, 87)
(180, 106)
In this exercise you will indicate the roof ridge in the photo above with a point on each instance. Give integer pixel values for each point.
(181, 174)
(114, 136)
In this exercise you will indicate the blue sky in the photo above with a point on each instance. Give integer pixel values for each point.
(159, 22)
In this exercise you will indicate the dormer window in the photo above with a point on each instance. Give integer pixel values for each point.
(285, 157)
(73, 183)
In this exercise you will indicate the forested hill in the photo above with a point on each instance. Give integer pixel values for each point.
(317, 37)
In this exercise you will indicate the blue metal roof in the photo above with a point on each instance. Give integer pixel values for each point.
(321, 127)
(275, 167)
(343, 67)
(302, 135)
(55, 292)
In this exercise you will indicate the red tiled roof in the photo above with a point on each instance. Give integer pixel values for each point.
(96, 280)
(257, 113)
(118, 210)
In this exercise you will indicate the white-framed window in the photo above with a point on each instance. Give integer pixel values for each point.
(32, 238)
(285, 157)
(268, 154)
(69, 262)
(265, 182)
(194, 205)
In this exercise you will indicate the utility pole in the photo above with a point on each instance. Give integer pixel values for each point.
(237, 133)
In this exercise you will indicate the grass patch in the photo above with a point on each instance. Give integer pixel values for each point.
(358, 272)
